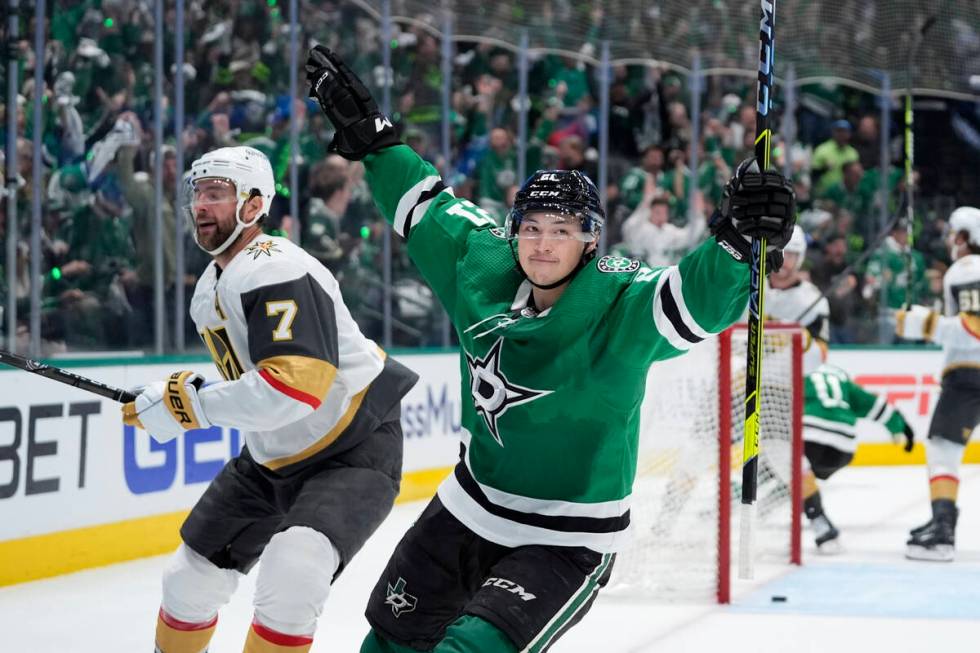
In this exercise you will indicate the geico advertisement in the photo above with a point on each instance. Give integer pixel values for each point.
(67, 460)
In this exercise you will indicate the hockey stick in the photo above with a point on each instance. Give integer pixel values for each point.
(62, 376)
(910, 155)
(757, 273)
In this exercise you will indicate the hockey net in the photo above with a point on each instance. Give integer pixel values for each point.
(688, 479)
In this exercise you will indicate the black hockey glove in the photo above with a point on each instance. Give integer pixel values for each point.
(755, 204)
(361, 127)
(909, 437)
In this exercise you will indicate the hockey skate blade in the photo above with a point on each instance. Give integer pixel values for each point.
(938, 553)
(830, 548)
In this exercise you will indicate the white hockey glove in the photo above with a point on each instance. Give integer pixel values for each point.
(166, 409)
(916, 323)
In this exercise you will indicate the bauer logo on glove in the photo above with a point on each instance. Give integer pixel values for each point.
(166, 409)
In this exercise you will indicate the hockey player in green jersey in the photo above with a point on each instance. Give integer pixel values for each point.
(555, 347)
(832, 405)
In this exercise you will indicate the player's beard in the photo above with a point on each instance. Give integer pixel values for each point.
(217, 237)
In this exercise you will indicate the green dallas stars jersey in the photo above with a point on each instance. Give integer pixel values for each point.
(550, 433)
(832, 405)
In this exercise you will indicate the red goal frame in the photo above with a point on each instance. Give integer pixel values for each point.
(725, 450)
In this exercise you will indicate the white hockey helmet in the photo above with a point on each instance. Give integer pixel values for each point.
(245, 168)
(797, 245)
(965, 218)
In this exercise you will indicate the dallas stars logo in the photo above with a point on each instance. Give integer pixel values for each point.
(266, 247)
(492, 393)
(617, 264)
(400, 600)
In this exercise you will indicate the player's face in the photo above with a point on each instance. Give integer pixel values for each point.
(957, 244)
(788, 271)
(549, 246)
(213, 207)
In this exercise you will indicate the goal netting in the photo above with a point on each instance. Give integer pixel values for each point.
(688, 479)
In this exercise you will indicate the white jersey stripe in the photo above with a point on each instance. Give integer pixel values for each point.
(675, 281)
(508, 533)
(829, 425)
(834, 440)
(553, 507)
(662, 322)
(408, 202)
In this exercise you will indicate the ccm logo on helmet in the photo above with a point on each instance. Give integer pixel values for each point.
(176, 403)
(544, 193)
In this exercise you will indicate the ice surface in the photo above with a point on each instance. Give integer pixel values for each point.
(867, 599)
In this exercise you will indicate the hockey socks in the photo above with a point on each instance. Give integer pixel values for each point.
(943, 487)
(266, 640)
(175, 636)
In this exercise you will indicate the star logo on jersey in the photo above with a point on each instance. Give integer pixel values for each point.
(266, 247)
(493, 394)
(400, 600)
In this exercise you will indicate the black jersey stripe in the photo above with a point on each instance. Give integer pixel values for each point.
(881, 411)
(669, 306)
(551, 522)
(424, 196)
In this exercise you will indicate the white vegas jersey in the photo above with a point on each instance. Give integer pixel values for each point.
(802, 303)
(959, 331)
(295, 364)
(961, 286)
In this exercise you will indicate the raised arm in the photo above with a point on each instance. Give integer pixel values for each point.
(664, 312)
(407, 189)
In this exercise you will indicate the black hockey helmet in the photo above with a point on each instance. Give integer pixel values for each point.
(567, 192)
(564, 192)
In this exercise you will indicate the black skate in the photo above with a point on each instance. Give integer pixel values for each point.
(935, 540)
(826, 535)
(921, 529)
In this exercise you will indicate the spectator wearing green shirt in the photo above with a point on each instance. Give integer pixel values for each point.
(854, 196)
(830, 156)
(711, 176)
(888, 267)
(631, 187)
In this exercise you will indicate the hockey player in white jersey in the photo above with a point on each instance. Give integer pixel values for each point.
(318, 405)
(792, 298)
(957, 412)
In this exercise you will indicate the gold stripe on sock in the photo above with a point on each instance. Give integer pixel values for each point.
(176, 637)
(943, 487)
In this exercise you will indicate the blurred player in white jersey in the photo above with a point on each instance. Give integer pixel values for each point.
(791, 297)
(957, 412)
(318, 405)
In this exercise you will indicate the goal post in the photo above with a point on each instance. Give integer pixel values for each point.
(688, 468)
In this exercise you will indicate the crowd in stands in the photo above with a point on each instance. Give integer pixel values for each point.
(99, 161)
